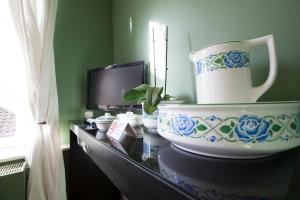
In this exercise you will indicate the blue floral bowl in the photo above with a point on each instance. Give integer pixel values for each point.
(247, 130)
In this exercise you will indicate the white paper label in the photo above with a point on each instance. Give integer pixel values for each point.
(116, 129)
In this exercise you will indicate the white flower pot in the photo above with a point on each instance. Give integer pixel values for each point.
(150, 121)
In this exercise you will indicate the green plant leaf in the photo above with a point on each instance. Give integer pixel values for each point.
(155, 96)
(142, 87)
(151, 96)
(149, 109)
(152, 99)
(136, 94)
(201, 127)
(225, 129)
(168, 97)
(133, 95)
(276, 127)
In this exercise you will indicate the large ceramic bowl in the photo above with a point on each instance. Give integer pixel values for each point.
(232, 130)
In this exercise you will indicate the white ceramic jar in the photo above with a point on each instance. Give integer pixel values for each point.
(103, 122)
(223, 72)
(134, 120)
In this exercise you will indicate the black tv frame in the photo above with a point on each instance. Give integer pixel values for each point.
(115, 108)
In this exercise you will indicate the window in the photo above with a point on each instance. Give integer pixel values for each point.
(7, 122)
(15, 115)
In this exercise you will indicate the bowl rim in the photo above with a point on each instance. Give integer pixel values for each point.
(232, 105)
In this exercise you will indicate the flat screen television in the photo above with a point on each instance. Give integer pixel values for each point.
(105, 85)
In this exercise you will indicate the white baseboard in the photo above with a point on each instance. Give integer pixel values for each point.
(65, 147)
(19, 152)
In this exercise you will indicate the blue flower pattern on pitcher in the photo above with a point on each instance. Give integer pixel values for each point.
(231, 59)
(183, 124)
(252, 128)
(235, 59)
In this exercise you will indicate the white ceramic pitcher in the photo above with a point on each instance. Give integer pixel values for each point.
(223, 72)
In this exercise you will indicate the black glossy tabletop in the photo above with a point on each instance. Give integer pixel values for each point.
(274, 177)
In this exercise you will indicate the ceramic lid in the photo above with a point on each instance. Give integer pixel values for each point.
(130, 116)
(106, 118)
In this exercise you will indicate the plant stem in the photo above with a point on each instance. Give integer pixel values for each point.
(166, 69)
(153, 37)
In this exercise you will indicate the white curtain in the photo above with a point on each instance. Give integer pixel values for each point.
(35, 21)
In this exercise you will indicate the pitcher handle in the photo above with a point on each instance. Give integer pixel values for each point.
(269, 40)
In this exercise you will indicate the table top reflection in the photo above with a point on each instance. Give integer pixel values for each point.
(274, 177)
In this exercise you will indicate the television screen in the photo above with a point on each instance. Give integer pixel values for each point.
(105, 85)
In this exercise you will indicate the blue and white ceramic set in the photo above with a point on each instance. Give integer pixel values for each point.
(227, 121)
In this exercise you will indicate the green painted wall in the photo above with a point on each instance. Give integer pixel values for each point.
(83, 39)
(194, 24)
(97, 33)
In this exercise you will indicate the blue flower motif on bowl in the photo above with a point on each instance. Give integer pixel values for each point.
(252, 128)
(183, 124)
(235, 59)
(212, 118)
(286, 138)
(212, 138)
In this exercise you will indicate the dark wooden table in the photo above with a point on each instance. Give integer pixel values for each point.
(188, 176)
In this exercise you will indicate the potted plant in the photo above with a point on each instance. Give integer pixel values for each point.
(150, 97)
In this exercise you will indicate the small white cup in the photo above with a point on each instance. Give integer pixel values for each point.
(88, 114)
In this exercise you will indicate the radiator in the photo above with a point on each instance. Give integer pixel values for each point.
(13, 181)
